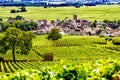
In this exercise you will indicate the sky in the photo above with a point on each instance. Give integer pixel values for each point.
(17, 0)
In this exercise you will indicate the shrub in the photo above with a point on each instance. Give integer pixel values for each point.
(1, 19)
(77, 6)
(116, 41)
(101, 35)
(18, 11)
(13, 11)
(19, 17)
(45, 6)
(54, 34)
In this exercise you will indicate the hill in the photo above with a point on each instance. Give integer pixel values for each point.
(90, 13)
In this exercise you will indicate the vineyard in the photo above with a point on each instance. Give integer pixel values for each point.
(99, 70)
(11, 67)
(70, 50)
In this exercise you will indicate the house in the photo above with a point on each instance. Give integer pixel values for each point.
(77, 27)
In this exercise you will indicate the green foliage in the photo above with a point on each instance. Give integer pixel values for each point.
(113, 24)
(109, 41)
(4, 26)
(118, 22)
(111, 47)
(108, 38)
(102, 36)
(99, 70)
(70, 50)
(78, 41)
(1, 59)
(26, 42)
(19, 17)
(54, 35)
(13, 11)
(24, 26)
(75, 49)
(94, 23)
(45, 6)
(16, 39)
(3, 46)
(106, 21)
(116, 41)
(2, 67)
(23, 9)
(1, 19)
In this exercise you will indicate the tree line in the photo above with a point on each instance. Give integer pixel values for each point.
(22, 9)
(18, 23)
(111, 23)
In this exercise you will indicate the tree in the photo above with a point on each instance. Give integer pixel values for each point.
(19, 17)
(34, 25)
(4, 26)
(13, 11)
(94, 23)
(106, 21)
(54, 34)
(23, 9)
(118, 22)
(16, 39)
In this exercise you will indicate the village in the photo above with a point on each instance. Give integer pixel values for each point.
(72, 26)
(77, 26)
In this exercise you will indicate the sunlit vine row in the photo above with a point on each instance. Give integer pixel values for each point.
(98, 70)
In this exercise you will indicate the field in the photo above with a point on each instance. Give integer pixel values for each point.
(68, 50)
(79, 52)
(90, 13)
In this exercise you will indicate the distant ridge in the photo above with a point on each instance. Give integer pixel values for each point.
(37, 1)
